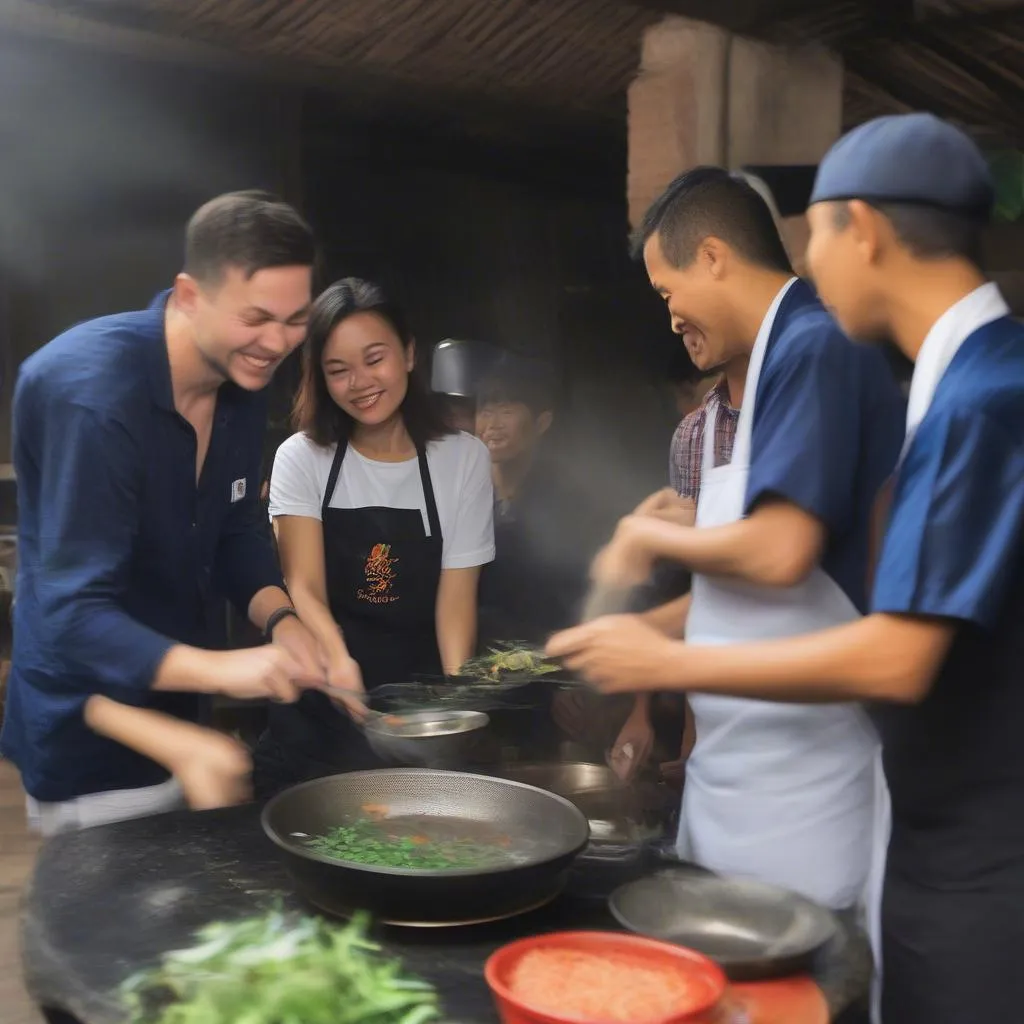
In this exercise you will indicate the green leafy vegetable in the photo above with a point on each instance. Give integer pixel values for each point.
(509, 661)
(273, 970)
(368, 842)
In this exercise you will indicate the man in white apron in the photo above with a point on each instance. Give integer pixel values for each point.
(896, 219)
(784, 793)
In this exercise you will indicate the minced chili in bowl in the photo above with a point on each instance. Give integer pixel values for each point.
(603, 978)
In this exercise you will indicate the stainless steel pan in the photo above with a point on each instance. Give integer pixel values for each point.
(541, 832)
(752, 930)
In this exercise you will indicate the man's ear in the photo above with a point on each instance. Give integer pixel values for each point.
(870, 230)
(713, 255)
(543, 422)
(186, 292)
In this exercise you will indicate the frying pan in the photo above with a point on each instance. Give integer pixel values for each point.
(544, 834)
(753, 930)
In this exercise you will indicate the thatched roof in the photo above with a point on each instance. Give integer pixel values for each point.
(509, 64)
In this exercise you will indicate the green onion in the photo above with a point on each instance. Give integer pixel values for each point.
(274, 970)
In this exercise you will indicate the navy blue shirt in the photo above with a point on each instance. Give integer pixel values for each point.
(119, 552)
(954, 548)
(829, 422)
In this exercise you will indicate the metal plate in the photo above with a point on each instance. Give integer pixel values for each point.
(751, 929)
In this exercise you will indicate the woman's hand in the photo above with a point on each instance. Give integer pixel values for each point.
(295, 637)
(344, 674)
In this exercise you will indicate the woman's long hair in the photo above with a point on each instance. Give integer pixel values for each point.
(315, 413)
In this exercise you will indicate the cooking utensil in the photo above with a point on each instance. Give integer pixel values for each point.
(627, 823)
(706, 978)
(433, 739)
(544, 833)
(753, 930)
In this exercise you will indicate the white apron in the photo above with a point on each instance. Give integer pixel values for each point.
(790, 794)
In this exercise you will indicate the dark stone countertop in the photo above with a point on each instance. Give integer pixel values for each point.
(108, 901)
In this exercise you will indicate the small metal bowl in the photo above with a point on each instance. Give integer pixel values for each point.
(430, 739)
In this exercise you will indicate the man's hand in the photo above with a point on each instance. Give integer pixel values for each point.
(673, 772)
(633, 745)
(616, 654)
(668, 506)
(268, 671)
(664, 499)
(293, 636)
(212, 769)
(628, 559)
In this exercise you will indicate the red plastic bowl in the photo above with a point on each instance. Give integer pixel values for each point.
(709, 981)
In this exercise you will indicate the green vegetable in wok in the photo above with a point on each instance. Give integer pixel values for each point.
(369, 842)
(272, 970)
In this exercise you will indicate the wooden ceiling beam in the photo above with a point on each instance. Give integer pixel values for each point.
(743, 16)
(905, 88)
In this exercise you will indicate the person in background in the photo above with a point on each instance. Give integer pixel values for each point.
(897, 218)
(384, 518)
(690, 385)
(538, 577)
(137, 446)
(790, 795)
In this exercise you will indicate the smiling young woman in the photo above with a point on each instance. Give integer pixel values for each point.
(383, 517)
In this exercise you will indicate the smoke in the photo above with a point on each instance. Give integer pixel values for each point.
(93, 144)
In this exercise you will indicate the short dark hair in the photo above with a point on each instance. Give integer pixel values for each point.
(250, 230)
(928, 232)
(315, 412)
(705, 202)
(525, 384)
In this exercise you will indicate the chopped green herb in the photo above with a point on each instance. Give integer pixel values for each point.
(389, 844)
(509, 661)
(272, 970)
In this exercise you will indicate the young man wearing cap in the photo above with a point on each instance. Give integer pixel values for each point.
(896, 219)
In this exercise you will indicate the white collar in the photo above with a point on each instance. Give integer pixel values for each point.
(943, 341)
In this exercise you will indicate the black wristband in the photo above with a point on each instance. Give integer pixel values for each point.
(275, 617)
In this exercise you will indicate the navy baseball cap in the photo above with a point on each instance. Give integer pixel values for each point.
(908, 158)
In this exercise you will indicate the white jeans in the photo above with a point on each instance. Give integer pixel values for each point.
(103, 808)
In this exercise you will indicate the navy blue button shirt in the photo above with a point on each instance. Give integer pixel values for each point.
(828, 425)
(119, 551)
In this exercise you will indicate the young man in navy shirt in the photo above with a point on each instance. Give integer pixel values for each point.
(137, 447)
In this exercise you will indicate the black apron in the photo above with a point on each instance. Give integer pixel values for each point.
(382, 573)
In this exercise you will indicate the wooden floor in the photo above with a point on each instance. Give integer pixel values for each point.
(17, 852)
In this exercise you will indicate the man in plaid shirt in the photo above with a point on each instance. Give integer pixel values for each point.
(688, 441)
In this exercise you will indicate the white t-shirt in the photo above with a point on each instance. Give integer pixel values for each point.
(460, 471)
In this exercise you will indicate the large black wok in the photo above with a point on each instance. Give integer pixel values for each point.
(544, 832)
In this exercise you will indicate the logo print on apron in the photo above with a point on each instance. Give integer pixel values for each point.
(380, 576)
